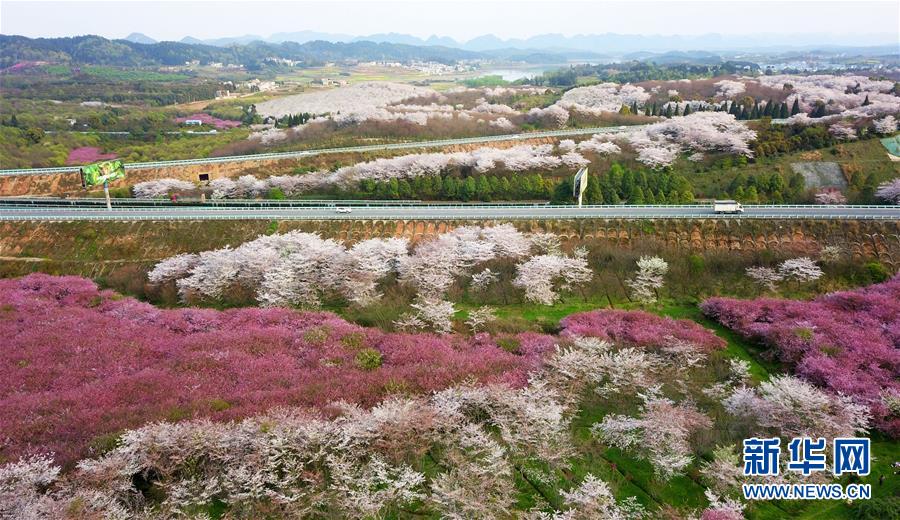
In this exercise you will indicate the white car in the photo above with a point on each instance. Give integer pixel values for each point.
(343, 209)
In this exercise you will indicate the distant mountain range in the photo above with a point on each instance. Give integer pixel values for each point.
(608, 44)
(142, 51)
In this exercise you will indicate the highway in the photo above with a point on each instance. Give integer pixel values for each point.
(306, 153)
(421, 211)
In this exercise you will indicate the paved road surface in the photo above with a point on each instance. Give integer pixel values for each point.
(367, 148)
(444, 212)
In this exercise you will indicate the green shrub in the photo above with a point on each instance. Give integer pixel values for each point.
(830, 350)
(354, 340)
(105, 443)
(368, 359)
(877, 272)
(696, 264)
(219, 405)
(886, 508)
(316, 336)
(396, 387)
(272, 228)
(803, 333)
(510, 345)
(275, 194)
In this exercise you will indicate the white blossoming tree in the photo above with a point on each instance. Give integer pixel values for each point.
(649, 279)
(765, 277)
(802, 269)
(541, 276)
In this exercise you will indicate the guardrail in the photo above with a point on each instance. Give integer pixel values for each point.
(458, 211)
(97, 205)
(702, 216)
(363, 148)
(7, 202)
(217, 204)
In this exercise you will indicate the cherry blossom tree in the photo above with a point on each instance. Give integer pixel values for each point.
(722, 508)
(845, 95)
(554, 115)
(649, 278)
(842, 132)
(599, 147)
(803, 269)
(724, 473)
(659, 144)
(831, 253)
(660, 433)
(223, 188)
(886, 125)
(547, 243)
(351, 101)
(541, 275)
(480, 317)
(434, 264)
(765, 276)
(502, 123)
(173, 268)
(489, 108)
(657, 156)
(830, 196)
(428, 313)
(593, 499)
(794, 408)
(889, 191)
(21, 486)
(574, 160)
(269, 136)
(160, 188)
(566, 145)
(481, 280)
(305, 268)
(605, 97)
(728, 88)
(369, 261)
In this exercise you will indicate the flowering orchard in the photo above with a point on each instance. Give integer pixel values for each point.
(67, 343)
(524, 158)
(229, 407)
(87, 154)
(660, 144)
(845, 342)
(380, 102)
(272, 446)
(207, 119)
(303, 269)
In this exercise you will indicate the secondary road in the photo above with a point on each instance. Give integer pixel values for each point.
(441, 212)
(365, 148)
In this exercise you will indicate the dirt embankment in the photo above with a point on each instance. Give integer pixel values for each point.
(70, 184)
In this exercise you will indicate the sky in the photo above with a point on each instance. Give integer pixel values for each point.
(461, 20)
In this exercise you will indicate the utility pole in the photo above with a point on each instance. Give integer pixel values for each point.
(106, 192)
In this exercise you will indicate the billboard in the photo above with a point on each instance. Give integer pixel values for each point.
(102, 172)
(580, 184)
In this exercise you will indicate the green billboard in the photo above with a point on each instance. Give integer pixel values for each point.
(102, 172)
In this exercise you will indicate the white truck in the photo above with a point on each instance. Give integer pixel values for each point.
(727, 206)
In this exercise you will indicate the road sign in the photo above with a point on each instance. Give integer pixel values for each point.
(102, 173)
(580, 184)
